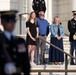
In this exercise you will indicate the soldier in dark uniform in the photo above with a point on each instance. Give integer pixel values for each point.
(13, 53)
(72, 37)
(39, 5)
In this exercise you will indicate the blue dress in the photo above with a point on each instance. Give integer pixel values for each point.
(54, 54)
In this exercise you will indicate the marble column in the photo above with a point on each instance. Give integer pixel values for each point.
(73, 5)
(49, 10)
(29, 6)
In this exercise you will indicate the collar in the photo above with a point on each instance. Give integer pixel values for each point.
(41, 19)
(57, 25)
(8, 35)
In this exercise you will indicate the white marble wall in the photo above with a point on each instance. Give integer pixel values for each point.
(3, 4)
(62, 8)
(64, 12)
(8, 5)
(54, 8)
(17, 4)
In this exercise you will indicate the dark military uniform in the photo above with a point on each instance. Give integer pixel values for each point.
(13, 52)
(17, 51)
(72, 30)
(38, 5)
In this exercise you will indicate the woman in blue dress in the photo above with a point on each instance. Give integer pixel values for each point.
(57, 34)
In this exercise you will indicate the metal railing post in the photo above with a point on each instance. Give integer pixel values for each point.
(38, 51)
(66, 64)
(39, 73)
(75, 55)
(20, 22)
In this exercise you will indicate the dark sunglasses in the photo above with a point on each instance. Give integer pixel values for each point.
(42, 15)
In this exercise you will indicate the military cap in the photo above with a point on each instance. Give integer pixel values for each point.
(74, 12)
(8, 15)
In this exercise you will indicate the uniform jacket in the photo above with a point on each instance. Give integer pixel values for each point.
(39, 5)
(71, 28)
(17, 51)
(54, 30)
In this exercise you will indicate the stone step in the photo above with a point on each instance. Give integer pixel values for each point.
(66, 43)
(53, 67)
(66, 49)
(65, 37)
(66, 40)
(66, 46)
(51, 73)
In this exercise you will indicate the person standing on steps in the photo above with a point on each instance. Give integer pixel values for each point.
(72, 36)
(43, 33)
(32, 34)
(13, 52)
(57, 34)
(38, 5)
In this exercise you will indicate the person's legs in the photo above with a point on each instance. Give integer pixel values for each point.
(72, 51)
(29, 51)
(32, 53)
(75, 44)
(40, 45)
(75, 51)
(37, 52)
(43, 48)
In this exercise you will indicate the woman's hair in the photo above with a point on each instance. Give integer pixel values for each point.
(54, 18)
(31, 17)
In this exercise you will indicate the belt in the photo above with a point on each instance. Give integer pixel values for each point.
(42, 34)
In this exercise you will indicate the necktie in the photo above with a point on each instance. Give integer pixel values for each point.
(12, 39)
(58, 31)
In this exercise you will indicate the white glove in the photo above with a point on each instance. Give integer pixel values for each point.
(74, 37)
(9, 68)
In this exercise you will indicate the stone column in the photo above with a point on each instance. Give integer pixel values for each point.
(4, 5)
(73, 5)
(8, 5)
(49, 10)
(29, 5)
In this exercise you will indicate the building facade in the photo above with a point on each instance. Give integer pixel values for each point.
(61, 8)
